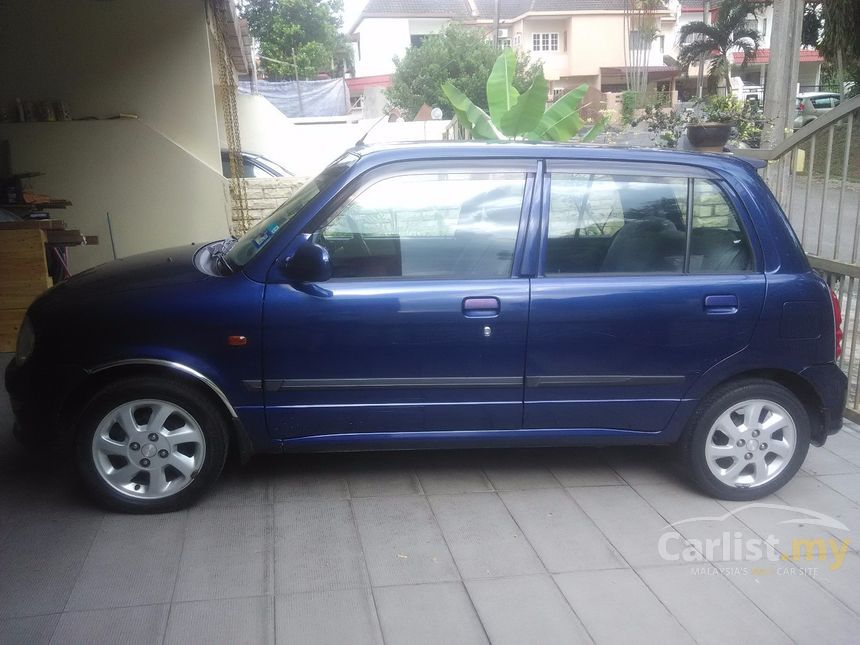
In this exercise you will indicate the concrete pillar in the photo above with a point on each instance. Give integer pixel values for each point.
(782, 70)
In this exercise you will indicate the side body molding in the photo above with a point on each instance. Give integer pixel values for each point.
(179, 367)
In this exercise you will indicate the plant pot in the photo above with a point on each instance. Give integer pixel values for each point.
(711, 137)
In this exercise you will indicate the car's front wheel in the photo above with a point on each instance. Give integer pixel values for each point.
(747, 440)
(150, 445)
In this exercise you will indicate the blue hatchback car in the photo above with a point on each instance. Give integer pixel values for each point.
(450, 295)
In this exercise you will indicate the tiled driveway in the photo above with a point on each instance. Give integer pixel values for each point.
(525, 546)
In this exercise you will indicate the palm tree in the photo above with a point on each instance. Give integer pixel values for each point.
(699, 41)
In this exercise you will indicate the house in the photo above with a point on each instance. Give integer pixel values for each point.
(578, 41)
(751, 79)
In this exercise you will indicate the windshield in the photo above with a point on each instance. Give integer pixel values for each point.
(247, 246)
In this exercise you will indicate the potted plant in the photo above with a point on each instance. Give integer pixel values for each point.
(711, 131)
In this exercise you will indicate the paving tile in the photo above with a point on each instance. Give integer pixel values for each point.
(240, 486)
(372, 475)
(309, 483)
(601, 598)
(846, 444)
(227, 554)
(681, 505)
(317, 547)
(327, 618)
(428, 614)
(133, 561)
(841, 582)
(561, 533)
(810, 493)
(525, 610)
(39, 562)
(780, 524)
(848, 485)
(519, 469)
(32, 630)
(249, 621)
(709, 607)
(633, 527)
(583, 467)
(483, 537)
(129, 626)
(453, 475)
(643, 465)
(821, 461)
(402, 542)
(780, 594)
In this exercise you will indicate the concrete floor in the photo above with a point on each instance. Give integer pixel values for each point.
(525, 546)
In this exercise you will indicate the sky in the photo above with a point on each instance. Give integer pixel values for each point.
(351, 9)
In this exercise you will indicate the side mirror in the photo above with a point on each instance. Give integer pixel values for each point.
(310, 263)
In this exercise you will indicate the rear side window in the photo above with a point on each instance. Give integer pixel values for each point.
(600, 223)
(718, 243)
(439, 225)
(823, 102)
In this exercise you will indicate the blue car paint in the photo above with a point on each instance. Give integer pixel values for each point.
(158, 306)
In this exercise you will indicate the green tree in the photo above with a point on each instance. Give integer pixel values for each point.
(728, 32)
(840, 42)
(303, 34)
(460, 55)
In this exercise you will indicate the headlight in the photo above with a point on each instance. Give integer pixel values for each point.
(26, 341)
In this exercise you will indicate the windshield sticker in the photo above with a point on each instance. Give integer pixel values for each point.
(266, 235)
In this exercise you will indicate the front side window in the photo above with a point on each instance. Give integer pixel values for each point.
(601, 223)
(435, 225)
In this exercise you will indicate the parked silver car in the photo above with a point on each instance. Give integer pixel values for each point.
(811, 105)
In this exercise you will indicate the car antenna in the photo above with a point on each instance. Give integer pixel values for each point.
(360, 143)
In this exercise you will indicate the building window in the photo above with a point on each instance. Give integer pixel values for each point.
(504, 42)
(416, 40)
(518, 39)
(661, 40)
(763, 27)
(546, 42)
(557, 93)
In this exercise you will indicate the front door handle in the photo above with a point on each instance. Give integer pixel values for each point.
(484, 307)
(721, 304)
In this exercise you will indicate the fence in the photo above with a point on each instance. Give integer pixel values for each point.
(815, 175)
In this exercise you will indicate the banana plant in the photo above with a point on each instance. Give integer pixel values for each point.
(514, 115)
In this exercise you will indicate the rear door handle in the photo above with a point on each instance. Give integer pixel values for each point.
(721, 304)
(484, 307)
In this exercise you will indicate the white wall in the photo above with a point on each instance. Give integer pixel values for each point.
(157, 195)
(380, 40)
(146, 58)
(264, 130)
(160, 176)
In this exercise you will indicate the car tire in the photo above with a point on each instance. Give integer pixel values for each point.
(746, 440)
(150, 445)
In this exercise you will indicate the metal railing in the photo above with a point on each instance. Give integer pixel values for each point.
(816, 180)
(815, 176)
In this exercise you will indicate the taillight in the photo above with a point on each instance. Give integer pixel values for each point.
(837, 323)
(800, 107)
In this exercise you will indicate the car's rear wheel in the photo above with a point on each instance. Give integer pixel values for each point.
(747, 440)
(150, 445)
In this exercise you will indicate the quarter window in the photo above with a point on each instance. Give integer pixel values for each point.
(447, 225)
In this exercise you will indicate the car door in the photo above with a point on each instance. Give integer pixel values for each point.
(634, 299)
(422, 327)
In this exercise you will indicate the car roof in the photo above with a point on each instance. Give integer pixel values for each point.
(441, 150)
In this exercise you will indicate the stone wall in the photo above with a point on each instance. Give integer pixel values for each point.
(265, 195)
